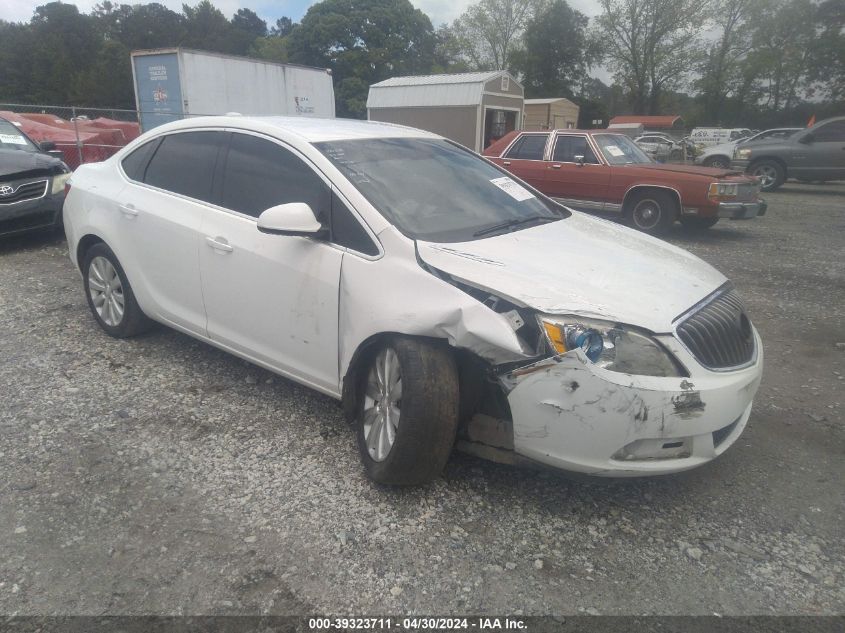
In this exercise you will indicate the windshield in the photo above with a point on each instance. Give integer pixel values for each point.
(433, 190)
(12, 138)
(620, 150)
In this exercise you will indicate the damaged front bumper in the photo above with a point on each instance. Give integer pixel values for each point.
(570, 414)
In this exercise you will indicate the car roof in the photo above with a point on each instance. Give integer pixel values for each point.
(309, 129)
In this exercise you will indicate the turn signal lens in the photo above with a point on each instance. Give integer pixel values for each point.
(556, 336)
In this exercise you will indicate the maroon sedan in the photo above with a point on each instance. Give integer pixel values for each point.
(596, 170)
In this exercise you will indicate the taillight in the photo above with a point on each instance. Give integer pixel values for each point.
(67, 189)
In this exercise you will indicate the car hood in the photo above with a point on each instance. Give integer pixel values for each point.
(692, 170)
(20, 164)
(585, 266)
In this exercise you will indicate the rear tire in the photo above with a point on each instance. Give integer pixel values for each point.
(693, 223)
(407, 411)
(109, 294)
(770, 172)
(651, 212)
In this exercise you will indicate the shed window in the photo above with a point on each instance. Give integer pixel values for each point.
(506, 83)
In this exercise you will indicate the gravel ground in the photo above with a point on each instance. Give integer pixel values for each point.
(161, 476)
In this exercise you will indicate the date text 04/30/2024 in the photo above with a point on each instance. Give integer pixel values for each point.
(417, 623)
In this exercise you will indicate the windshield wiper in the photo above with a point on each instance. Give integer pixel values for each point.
(513, 224)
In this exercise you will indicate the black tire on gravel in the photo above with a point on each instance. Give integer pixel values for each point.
(651, 211)
(428, 412)
(133, 320)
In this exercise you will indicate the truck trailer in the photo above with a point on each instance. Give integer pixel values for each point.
(172, 83)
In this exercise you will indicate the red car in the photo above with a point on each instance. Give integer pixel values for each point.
(596, 170)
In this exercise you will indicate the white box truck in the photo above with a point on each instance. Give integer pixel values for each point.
(171, 83)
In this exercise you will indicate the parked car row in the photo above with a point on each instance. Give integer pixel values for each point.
(442, 299)
(596, 170)
(816, 153)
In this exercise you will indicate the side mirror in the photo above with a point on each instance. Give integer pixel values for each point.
(808, 138)
(47, 146)
(579, 160)
(293, 218)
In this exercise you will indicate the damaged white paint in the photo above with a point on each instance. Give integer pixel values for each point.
(571, 414)
(394, 294)
(584, 266)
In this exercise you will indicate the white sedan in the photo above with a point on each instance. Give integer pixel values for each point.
(443, 301)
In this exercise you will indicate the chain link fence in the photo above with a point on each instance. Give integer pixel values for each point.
(80, 135)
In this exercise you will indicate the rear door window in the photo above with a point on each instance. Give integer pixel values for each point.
(135, 165)
(184, 164)
(260, 174)
(528, 147)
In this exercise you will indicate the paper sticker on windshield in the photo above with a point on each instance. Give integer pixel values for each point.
(513, 189)
(614, 151)
(12, 139)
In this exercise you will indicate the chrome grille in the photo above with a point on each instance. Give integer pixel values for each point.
(719, 334)
(25, 191)
(747, 192)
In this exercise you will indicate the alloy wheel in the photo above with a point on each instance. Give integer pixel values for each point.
(382, 404)
(106, 291)
(767, 175)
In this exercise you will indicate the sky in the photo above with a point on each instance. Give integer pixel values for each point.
(439, 11)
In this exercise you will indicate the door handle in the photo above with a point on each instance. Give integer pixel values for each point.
(506, 162)
(219, 244)
(129, 210)
(555, 166)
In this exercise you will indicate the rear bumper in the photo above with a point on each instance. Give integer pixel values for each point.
(27, 215)
(742, 210)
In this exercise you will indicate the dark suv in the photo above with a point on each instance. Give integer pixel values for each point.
(32, 182)
(817, 153)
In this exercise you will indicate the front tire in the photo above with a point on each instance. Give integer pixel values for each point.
(407, 411)
(109, 294)
(770, 173)
(651, 212)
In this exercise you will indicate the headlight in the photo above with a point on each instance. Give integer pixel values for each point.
(743, 153)
(59, 183)
(723, 190)
(608, 345)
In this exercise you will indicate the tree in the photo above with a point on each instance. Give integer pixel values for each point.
(208, 29)
(782, 41)
(650, 44)
(283, 28)
(363, 40)
(721, 67)
(148, 26)
(556, 52)
(827, 54)
(448, 57)
(489, 32)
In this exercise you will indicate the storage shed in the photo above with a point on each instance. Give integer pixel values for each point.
(551, 114)
(473, 109)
